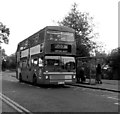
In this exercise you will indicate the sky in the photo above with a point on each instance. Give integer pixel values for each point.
(25, 17)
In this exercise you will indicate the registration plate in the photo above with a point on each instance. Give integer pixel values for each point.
(61, 82)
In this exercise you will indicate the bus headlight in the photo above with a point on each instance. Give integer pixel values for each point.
(74, 76)
(46, 77)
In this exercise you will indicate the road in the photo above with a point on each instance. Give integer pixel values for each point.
(58, 99)
(6, 108)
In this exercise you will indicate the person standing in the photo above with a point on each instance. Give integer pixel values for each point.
(98, 74)
(82, 74)
(78, 74)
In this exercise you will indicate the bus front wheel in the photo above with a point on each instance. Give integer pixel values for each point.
(20, 78)
(34, 80)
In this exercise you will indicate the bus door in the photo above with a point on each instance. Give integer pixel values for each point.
(29, 69)
(37, 68)
(40, 69)
(24, 69)
(34, 68)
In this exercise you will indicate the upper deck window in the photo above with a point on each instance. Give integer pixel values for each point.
(23, 45)
(60, 36)
(34, 40)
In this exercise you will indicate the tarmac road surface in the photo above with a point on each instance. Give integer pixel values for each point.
(5, 107)
(58, 99)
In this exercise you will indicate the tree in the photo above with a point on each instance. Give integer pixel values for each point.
(11, 62)
(114, 62)
(2, 58)
(115, 57)
(83, 26)
(4, 34)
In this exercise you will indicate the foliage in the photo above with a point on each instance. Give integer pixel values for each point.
(115, 58)
(2, 51)
(83, 26)
(114, 62)
(4, 34)
(2, 57)
(9, 62)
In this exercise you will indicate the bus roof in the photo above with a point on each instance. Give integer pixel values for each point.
(60, 28)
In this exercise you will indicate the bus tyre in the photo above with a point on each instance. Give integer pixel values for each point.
(20, 78)
(34, 80)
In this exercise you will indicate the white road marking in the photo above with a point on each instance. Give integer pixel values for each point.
(116, 103)
(13, 104)
(17, 109)
(113, 98)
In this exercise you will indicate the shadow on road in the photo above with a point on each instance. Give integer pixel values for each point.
(52, 86)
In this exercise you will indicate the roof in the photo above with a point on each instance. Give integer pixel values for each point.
(61, 28)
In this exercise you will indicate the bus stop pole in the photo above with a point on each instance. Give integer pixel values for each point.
(90, 76)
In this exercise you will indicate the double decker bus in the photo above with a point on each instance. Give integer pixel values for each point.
(47, 57)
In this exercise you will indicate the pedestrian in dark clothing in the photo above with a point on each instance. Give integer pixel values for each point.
(78, 74)
(82, 75)
(98, 74)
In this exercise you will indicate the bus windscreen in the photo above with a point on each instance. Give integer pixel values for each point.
(60, 63)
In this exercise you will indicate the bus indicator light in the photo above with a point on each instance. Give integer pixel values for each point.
(46, 77)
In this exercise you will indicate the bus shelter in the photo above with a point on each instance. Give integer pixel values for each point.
(89, 64)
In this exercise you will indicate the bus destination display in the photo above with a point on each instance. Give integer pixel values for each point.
(60, 48)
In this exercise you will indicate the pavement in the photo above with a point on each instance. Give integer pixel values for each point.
(109, 85)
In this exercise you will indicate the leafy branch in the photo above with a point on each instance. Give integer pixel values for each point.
(4, 34)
